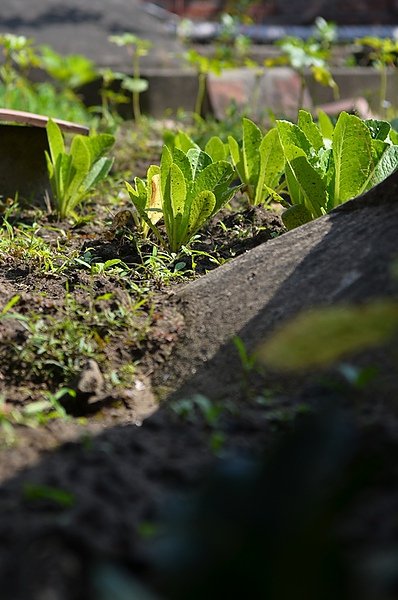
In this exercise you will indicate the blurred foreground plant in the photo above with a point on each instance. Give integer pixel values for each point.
(319, 338)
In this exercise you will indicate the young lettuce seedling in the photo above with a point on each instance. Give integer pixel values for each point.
(325, 167)
(73, 174)
(188, 188)
(259, 161)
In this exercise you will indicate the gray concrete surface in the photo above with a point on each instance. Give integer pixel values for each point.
(83, 27)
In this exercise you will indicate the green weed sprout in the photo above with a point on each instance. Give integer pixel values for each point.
(136, 47)
(189, 187)
(73, 174)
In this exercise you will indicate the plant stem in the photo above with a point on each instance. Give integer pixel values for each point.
(383, 89)
(201, 94)
(302, 90)
(136, 95)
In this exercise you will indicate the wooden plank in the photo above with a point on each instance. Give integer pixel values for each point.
(27, 118)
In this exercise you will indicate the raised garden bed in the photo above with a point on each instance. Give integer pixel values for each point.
(151, 448)
(86, 491)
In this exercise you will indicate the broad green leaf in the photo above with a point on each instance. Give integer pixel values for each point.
(55, 140)
(325, 125)
(295, 216)
(81, 158)
(216, 149)
(202, 207)
(272, 163)
(223, 191)
(379, 130)
(250, 151)
(181, 159)
(141, 191)
(50, 166)
(80, 166)
(154, 202)
(199, 160)
(305, 184)
(394, 137)
(165, 164)
(310, 129)
(63, 173)
(184, 142)
(135, 85)
(97, 173)
(215, 174)
(152, 170)
(178, 190)
(352, 153)
(98, 145)
(386, 166)
(323, 163)
(291, 135)
(236, 157)
(320, 337)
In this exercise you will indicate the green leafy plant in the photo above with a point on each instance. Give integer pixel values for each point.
(312, 55)
(73, 174)
(71, 71)
(383, 54)
(231, 49)
(19, 56)
(326, 166)
(111, 98)
(259, 161)
(214, 147)
(137, 48)
(230, 45)
(203, 65)
(53, 98)
(189, 187)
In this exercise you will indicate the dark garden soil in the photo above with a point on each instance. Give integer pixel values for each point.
(161, 457)
(285, 488)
